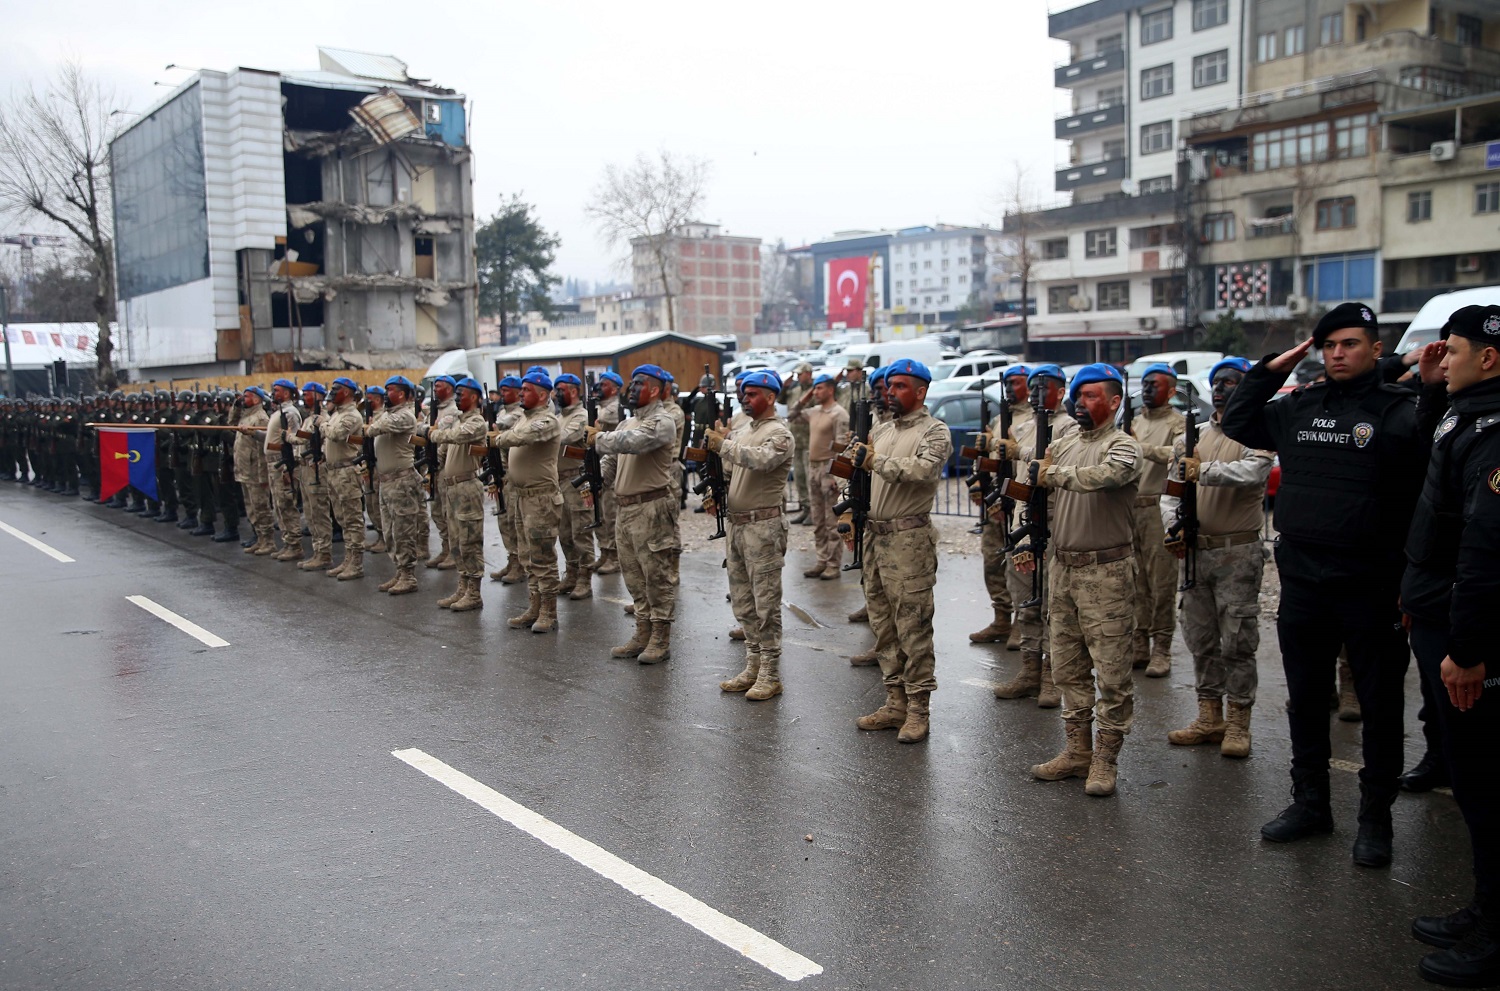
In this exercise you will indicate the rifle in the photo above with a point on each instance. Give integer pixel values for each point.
(856, 501)
(1187, 525)
(714, 482)
(288, 461)
(493, 472)
(1127, 412)
(981, 470)
(430, 453)
(1035, 529)
(367, 446)
(315, 448)
(592, 473)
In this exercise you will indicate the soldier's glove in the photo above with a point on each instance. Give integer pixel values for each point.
(862, 456)
(589, 433)
(996, 513)
(710, 506)
(976, 494)
(1043, 469)
(846, 529)
(1175, 544)
(714, 438)
(1191, 468)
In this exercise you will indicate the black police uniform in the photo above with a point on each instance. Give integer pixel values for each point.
(1351, 469)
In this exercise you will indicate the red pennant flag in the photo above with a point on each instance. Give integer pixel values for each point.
(27, 337)
(846, 291)
(57, 340)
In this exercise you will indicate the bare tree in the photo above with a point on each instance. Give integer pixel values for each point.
(54, 166)
(647, 201)
(1022, 226)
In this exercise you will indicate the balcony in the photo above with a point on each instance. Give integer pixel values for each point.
(1089, 173)
(1089, 120)
(1087, 69)
(1256, 228)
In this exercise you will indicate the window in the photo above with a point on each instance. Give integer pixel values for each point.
(1153, 237)
(1113, 149)
(913, 301)
(1057, 247)
(1157, 184)
(927, 263)
(945, 247)
(1487, 197)
(1296, 39)
(926, 245)
(1218, 227)
(1156, 26)
(963, 280)
(1110, 96)
(1099, 243)
(1470, 31)
(1211, 69)
(914, 268)
(1114, 295)
(1331, 30)
(1336, 214)
(1419, 206)
(1210, 13)
(945, 264)
(1336, 278)
(1305, 143)
(1109, 43)
(1156, 137)
(900, 285)
(945, 282)
(1166, 292)
(1265, 47)
(1058, 296)
(1156, 81)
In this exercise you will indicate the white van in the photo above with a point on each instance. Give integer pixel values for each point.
(873, 356)
(970, 365)
(1427, 325)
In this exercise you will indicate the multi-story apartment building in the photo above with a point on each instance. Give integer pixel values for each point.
(943, 273)
(714, 279)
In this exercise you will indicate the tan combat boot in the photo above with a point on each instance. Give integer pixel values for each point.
(379, 546)
(768, 680)
(497, 575)
(471, 599)
(1013, 642)
(546, 620)
(866, 659)
(816, 571)
(568, 579)
(1075, 758)
(448, 563)
(1161, 657)
(318, 562)
(889, 716)
(1102, 771)
(438, 558)
(264, 548)
(914, 728)
(637, 643)
(337, 569)
(1236, 732)
(609, 564)
(1028, 680)
(583, 587)
(458, 593)
(390, 582)
(1048, 697)
(533, 610)
(354, 565)
(860, 615)
(659, 648)
(514, 571)
(1349, 710)
(406, 582)
(1207, 728)
(738, 633)
(999, 629)
(290, 551)
(1140, 649)
(742, 681)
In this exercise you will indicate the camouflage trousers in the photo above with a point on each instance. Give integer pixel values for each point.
(573, 533)
(822, 495)
(1155, 573)
(997, 569)
(537, 510)
(404, 522)
(803, 472)
(258, 509)
(439, 512)
(508, 521)
(284, 503)
(1220, 622)
(463, 501)
(316, 508)
(610, 510)
(1029, 623)
(1091, 621)
(649, 546)
(347, 497)
(755, 556)
(372, 505)
(899, 573)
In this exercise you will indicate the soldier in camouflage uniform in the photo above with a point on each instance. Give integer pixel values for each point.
(447, 412)
(610, 415)
(533, 497)
(370, 468)
(343, 439)
(573, 530)
(509, 415)
(797, 395)
(641, 457)
(402, 501)
(852, 385)
(1094, 472)
(312, 480)
(281, 430)
(250, 416)
(1157, 429)
(1220, 611)
(760, 451)
(992, 535)
(463, 495)
(905, 456)
(824, 426)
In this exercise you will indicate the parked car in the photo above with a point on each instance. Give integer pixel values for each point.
(1193, 364)
(960, 412)
(969, 365)
(966, 383)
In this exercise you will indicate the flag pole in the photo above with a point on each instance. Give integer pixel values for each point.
(10, 372)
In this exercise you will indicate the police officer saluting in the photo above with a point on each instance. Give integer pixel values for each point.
(1449, 592)
(1351, 466)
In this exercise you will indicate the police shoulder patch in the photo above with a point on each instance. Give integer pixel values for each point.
(1446, 426)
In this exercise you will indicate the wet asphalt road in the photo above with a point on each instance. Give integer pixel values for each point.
(176, 816)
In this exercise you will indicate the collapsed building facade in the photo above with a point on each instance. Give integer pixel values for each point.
(276, 221)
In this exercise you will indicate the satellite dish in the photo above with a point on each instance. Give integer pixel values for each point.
(1128, 187)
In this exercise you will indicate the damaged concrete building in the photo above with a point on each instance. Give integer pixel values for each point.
(278, 221)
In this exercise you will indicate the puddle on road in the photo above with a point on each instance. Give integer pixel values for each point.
(805, 616)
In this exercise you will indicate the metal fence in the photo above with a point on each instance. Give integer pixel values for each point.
(952, 496)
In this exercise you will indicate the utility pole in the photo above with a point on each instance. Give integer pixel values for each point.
(10, 373)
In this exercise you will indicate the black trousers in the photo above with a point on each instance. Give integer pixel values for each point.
(1325, 606)
(1468, 744)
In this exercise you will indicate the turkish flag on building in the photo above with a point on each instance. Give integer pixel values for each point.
(846, 291)
(127, 457)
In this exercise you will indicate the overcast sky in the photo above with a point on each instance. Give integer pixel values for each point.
(816, 116)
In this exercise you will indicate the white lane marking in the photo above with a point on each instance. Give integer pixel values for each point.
(186, 626)
(708, 920)
(51, 552)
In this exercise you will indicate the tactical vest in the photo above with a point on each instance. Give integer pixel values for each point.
(1432, 543)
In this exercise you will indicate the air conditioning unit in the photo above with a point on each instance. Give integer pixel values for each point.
(1444, 151)
(1467, 263)
(1148, 323)
(1080, 303)
(1296, 304)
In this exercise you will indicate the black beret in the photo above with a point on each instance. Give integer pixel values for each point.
(1477, 323)
(1343, 317)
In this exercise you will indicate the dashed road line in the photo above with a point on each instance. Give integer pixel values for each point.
(734, 934)
(26, 538)
(185, 625)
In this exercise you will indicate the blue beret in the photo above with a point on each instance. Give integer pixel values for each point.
(764, 378)
(1049, 369)
(314, 387)
(741, 376)
(1159, 368)
(1014, 370)
(376, 390)
(347, 383)
(654, 371)
(877, 374)
(612, 376)
(824, 379)
(539, 378)
(905, 366)
(467, 382)
(1097, 372)
(509, 382)
(258, 391)
(285, 384)
(444, 378)
(568, 378)
(402, 381)
(535, 368)
(1233, 361)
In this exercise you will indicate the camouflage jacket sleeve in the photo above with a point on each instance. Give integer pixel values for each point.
(463, 430)
(530, 430)
(1251, 470)
(926, 464)
(1122, 464)
(344, 424)
(608, 465)
(772, 450)
(573, 423)
(609, 414)
(657, 432)
(393, 421)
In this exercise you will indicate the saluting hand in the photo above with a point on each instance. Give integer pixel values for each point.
(1287, 360)
(1430, 362)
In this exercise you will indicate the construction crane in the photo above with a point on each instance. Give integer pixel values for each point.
(27, 242)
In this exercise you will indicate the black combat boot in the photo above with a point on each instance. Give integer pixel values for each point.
(227, 534)
(1372, 846)
(205, 528)
(168, 514)
(1444, 931)
(1309, 813)
(187, 522)
(1430, 772)
(1472, 962)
